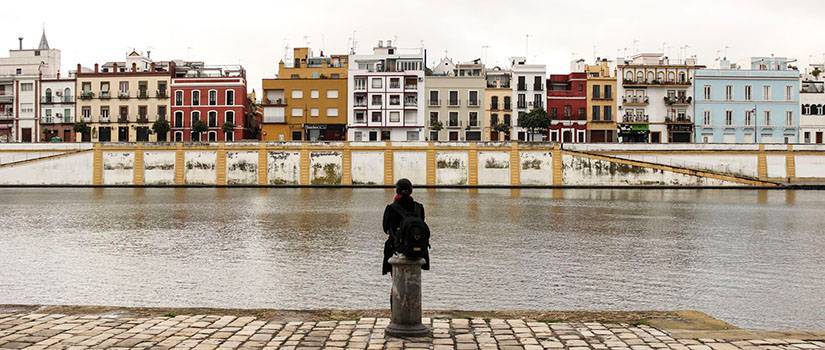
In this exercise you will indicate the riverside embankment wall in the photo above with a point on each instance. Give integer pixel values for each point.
(433, 164)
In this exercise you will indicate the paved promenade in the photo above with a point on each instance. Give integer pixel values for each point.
(59, 331)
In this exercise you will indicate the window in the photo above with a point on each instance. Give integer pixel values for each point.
(595, 112)
(395, 117)
(332, 93)
(767, 118)
(178, 98)
(766, 92)
(453, 121)
(748, 92)
(729, 92)
(18, 71)
(314, 94)
(213, 98)
(473, 96)
(67, 115)
(788, 93)
(230, 97)
(494, 119)
(522, 101)
(297, 112)
(434, 101)
(196, 116)
(608, 92)
(86, 87)
(377, 100)
(142, 112)
(395, 100)
(124, 87)
(196, 98)
(314, 112)
(213, 119)
(360, 84)
(748, 118)
(788, 118)
(473, 119)
(360, 117)
(568, 111)
(332, 112)
(296, 94)
(359, 136)
(537, 83)
(729, 118)
(707, 92)
(707, 118)
(377, 83)
(412, 135)
(178, 119)
(608, 113)
(86, 112)
(27, 107)
(376, 117)
(453, 101)
(395, 83)
(434, 117)
(596, 91)
(26, 86)
(229, 117)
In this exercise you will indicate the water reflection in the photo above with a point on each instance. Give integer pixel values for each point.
(750, 257)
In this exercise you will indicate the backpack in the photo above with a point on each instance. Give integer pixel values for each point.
(413, 236)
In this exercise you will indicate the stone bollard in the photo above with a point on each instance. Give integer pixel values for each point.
(406, 298)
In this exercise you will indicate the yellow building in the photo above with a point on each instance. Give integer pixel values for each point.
(601, 102)
(498, 106)
(120, 101)
(307, 100)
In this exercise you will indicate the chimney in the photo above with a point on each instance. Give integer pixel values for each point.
(97, 67)
(152, 66)
(58, 75)
(114, 67)
(149, 54)
(380, 43)
(134, 67)
(20, 40)
(78, 68)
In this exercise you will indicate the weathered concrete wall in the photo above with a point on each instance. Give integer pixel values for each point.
(16, 152)
(118, 168)
(451, 168)
(776, 166)
(739, 164)
(411, 165)
(536, 168)
(159, 168)
(241, 167)
(200, 168)
(581, 171)
(367, 168)
(325, 168)
(75, 169)
(493, 168)
(810, 166)
(284, 167)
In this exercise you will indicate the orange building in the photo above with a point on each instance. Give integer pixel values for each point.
(307, 100)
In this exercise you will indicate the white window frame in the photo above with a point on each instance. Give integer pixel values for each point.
(192, 95)
(707, 118)
(788, 118)
(209, 95)
(182, 102)
(314, 112)
(397, 114)
(226, 117)
(297, 94)
(766, 118)
(332, 112)
(314, 94)
(380, 84)
(766, 92)
(226, 97)
(729, 93)
(748, 92)
(728, 118)
(332, 93)
(707, 91)
(296, 112)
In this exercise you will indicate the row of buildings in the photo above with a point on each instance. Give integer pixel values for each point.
(391, 95)
(121, 101)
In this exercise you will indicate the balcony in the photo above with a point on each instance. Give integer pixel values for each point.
(536, 105)
(678, 120)
(635, 100)
(161, 94)
(434, 102)
(123, 95)
(56, 99)
(411, 103)
(7, 115)
(453, 103)
(521, 87)
(508, 107)
(410, 86)
(497, 85)
(678, 100)
(494, 106)
(87, 119)
(635, 119)
(472, 103)
(360, 104)
(104, 95)
(454, 124)
(601, 98)
(521, 104)
(142, 94)
(102, 119)
(656, 82)
(123, 119)
(142, 119)
(281, 102)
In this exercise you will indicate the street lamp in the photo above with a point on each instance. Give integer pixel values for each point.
(755, 125)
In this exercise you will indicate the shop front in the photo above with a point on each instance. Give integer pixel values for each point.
(634, 133)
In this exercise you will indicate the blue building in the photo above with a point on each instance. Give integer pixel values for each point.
(757, 105)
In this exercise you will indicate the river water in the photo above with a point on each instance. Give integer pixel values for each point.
(752, 258)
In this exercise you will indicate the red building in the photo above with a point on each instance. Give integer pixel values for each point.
(567, 107)
(215, 95)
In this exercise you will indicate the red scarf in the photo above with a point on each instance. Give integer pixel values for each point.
(398, 198)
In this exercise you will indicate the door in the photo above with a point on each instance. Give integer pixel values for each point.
(656, 137)
(104, 134)
(453, 135)
(123, 134)
(26, 135)
(819, 137)
(567, 136)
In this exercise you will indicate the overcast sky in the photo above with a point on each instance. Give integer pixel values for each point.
(255, 33)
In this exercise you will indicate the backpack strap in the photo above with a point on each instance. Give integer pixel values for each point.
(400, 210)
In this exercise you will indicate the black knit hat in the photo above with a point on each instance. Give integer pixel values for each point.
(403, 187)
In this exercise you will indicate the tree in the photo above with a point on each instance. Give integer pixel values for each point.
(81, 127)
(437, 125)
(228, 127)
(502, 128)
(161, 127)
(199, 127)
(534, 120)
(816, 72)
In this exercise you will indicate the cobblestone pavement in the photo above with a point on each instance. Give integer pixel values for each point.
(55, 331)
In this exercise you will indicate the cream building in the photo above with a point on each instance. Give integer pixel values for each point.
(120, 101)
(454, 100)
(498, 105)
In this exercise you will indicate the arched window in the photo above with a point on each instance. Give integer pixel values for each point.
(178, 98)
(213, 119)
(230, 97)
(671, 77)
(213, 136)
(682, 77)
(67, 95)
(213, 97)
(178, 136)
(195, 117)
(196, 98)
(178, 119)
(229, 118)
(640, 77)
(650, 77)
(660, 76)
(628, 75)
(48, 95)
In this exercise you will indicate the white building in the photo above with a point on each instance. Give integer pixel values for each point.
(387, 95)
(812, 99)
(529, 89)
(20, 75)
(655, 98)
(57, 107)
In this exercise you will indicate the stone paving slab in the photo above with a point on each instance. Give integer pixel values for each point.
(59, 331)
